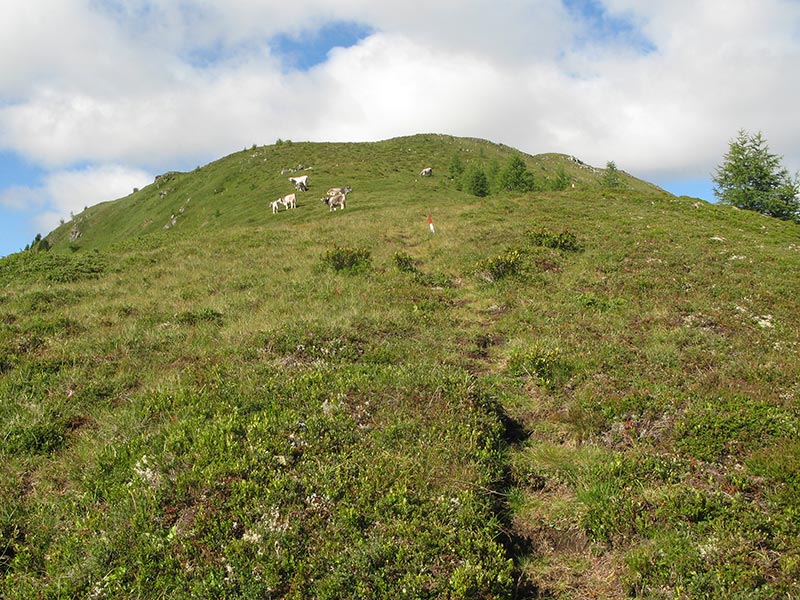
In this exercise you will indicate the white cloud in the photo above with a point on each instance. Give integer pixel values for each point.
(20, 198)
(63, 193)
(72, 191)
(98, 81)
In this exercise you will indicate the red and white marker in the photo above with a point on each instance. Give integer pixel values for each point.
(430, 224)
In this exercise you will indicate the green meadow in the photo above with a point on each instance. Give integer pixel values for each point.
(583, 390)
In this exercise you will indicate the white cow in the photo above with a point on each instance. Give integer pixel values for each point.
(337, 201)
(301, 183)
(340, 190)
(426, 172)
(289, 201)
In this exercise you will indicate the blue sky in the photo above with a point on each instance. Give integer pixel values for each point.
(99, 96)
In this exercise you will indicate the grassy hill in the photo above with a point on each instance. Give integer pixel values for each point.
(582, 393)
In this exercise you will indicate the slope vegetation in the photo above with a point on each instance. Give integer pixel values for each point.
(570, 394)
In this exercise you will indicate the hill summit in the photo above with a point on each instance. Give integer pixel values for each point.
(569, 384)
(237, 190)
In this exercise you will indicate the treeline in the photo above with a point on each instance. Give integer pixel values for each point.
(494, 177)
(39, 244)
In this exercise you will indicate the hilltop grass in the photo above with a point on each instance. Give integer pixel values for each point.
(559, 394)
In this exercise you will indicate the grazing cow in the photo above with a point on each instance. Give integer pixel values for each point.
(426, 172)
(287, 202)
(340, 190)
(337, 201)
(301, 183)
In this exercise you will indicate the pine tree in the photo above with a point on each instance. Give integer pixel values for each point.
(456, 166)
(753, 178)
(611, 176)
(476, 183)
(516, 177)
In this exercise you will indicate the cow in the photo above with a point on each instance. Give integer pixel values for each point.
(339, 190)
(426, 172)
(287, 202)
(337, 201)
(301, 183)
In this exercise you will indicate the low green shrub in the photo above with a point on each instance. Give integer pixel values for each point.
(565, 240)
(42, 437)
(52, 267)
(204, 315)
(592, 300)
(503, 265)
(404, 262)
(729, 426)
(345, 258)
(546, 364)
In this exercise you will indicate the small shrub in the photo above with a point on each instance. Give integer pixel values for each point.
(730, 426)
(544, 363)
(208, 315)
(343, 258)
(41, 437)
(433, 279)
(564, 240)
(592, 300)
(405, 262)
(504, 265)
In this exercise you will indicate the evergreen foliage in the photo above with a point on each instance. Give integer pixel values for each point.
(753, 178)
(456, 169)
(561, 181)
(515, 176)
(611, 176)
(476, 182)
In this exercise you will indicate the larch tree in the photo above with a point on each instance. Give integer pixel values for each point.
(753, 178)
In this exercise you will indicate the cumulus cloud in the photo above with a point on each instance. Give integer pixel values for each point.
(71, 191)
(64, 193)
(658, 87)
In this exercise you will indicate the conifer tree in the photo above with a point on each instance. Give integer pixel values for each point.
(476, 183)
(753, 178)
(516, 177)
(611, 176)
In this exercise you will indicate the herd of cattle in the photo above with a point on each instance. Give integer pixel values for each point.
(334, 198)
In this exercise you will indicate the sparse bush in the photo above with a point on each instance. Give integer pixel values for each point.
(404, 262)
(565, 240)
(544, 363)
(725, 426)
(592, 300)
(344, 258)
(42, 437)
(207, 315)
(504, 265)
(433, 279)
